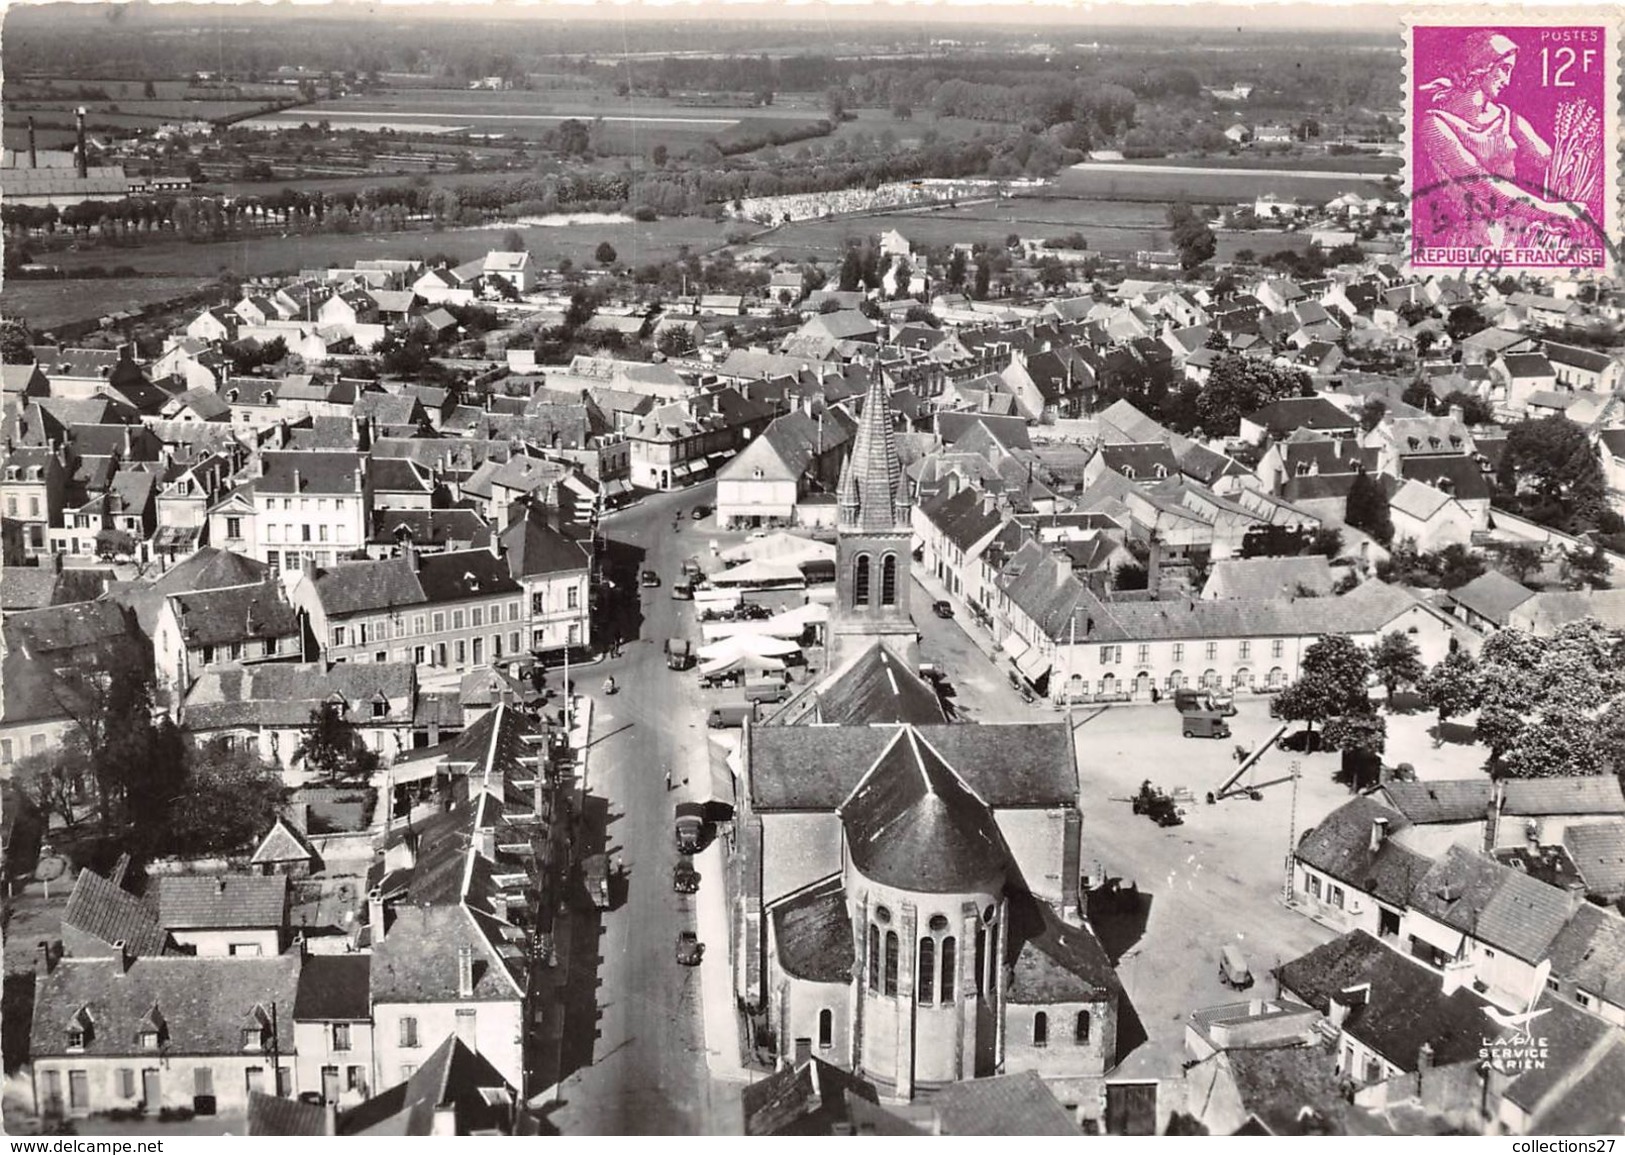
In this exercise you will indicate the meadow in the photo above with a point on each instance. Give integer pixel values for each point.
(1204, 184)
(48, 304)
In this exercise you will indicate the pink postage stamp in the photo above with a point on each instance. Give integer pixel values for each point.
(1513, 141)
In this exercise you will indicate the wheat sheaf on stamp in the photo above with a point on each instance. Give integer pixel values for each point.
(1512, 148)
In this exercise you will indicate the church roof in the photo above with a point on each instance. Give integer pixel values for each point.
(913, 823)
(877, 687)
(872, 492)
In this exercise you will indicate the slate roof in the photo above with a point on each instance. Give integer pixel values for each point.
(1571, 794)
(432, 527)
(1462, 477)
(816, 767)
(220, 616)
(1051, 961)
(284, 693)
(1593, 1105)
(812, 932)
(1010, 431)
(1598, 850)
(534, 548)
(1405, 1007)
(38, 587)
(417, 960)
(1282, 417)
(1019, 1104)
(961, 517)
(452, 1077)
(1341, 847)
(1140, 462)
(1501, 907)
(201, 1004)
(1441, 800)
(111, 914)
(1275, 1084)
(1590, 951)
(283, 843)
(1418, 500)
(1268, 577)
(1587, 359)
(1527, 365)
(913, 822)
(334, 987)
(806, 1099)
(367, 586)
(319, 472)
(876, 687)
(1549, 610)
(457, 576)
(1492, 595)
(201, 901)
(66, 628)
(275, 1115)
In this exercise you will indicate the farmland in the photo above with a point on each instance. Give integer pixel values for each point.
(52, 104)
(48, 304)
(1110, 227)
(1206, 184)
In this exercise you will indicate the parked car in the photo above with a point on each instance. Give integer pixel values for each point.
(689, 949)
(689, 821)
(1204, 724)
(766, 690)
(727, 717)
(1233, 969)
(679, 653)
(942, 609)
(649, 578)
(684, 878)
(682, 590)
(701, 512)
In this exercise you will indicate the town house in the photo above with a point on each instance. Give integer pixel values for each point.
(796, 455)
(244, 624)
(332, 1028)
(303, 510)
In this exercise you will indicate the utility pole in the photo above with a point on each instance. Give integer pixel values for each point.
(1292, 833)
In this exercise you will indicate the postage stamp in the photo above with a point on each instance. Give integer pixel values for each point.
(1512, 146)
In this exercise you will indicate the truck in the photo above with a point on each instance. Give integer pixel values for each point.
(679, 653)
(1203, 724)
(689, 823)
(766, 690)
(1188, 700)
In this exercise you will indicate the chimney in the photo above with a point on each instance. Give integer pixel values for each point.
(465, 972)
(485, 841)
(1153, 570)
(499, 906)
(42, 959)
(1379, 833)
(1424, 1057)
(409, 550)
(122, 953)
(298, 482)
(330, 1118)
(1460, 414)
(376, 915)
(84, 157)
(33, 155)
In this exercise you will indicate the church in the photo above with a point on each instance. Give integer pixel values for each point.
(910, 902)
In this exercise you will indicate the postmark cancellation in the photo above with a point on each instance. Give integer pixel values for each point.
(1513, 140)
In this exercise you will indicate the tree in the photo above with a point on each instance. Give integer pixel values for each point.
(1453, 686)
(50, 783)
(956, 269)
(1397, 662)
(1130, 575)
(604, 254)
(1331, 683)
(1239, 386)
(1550, 472)
(1587, 567)
(149, 91)
(513, 241)
(1372, 413)
(1519, 561)
(1474, 409)
(984, 275)
(851, 273)
(835, 104)
(1419, 395)
(16, 342)
(1562, 743)
(330, 745)
(1191, 236)
(675, 341)
(1367, 508)
(901, 110)
(1463, 322)
(1362, 738)
(231, 798)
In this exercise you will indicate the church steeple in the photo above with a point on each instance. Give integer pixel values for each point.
(874, 536)
(873, 493)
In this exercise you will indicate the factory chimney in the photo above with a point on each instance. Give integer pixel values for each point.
(84, 157)
(33, 155)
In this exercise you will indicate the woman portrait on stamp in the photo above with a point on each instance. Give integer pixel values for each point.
(1486, 178)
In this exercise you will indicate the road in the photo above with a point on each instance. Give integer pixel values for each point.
(646, 1071)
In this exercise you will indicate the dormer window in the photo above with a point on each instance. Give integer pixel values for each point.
(1160, 471)
(76, 1038)
(1128, 472)
(148, 1040)
(251, 1038)
(380, 707)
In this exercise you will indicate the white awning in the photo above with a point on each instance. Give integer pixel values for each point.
(740, 645)
(759, 571)
(1033, 664)
(1014, 646)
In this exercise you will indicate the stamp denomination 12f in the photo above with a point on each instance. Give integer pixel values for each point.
(1513, 142)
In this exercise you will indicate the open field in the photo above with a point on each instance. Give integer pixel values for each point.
(1109, 227)
(1360, 162)
(1207, 185)
(48, 304)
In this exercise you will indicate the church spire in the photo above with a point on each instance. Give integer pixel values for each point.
(873, 493)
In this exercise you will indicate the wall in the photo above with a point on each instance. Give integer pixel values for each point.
(745, 497)
(797, 850)
(1344, 917)
(313, 1043)
(799, 1003)
(498, 1031)
(1061, 1056)
(254, 942)
(176, 1075)
(20, 739)
(1037, 839)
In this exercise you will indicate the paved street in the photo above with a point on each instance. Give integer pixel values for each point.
(637, 1049)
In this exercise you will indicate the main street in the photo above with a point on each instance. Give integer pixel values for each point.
(645, 1071)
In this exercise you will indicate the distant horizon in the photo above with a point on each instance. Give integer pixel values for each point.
(1064, 17)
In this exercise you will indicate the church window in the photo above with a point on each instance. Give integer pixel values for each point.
(939, 923)
(1080, 1032)
(874, 958)
(860, 580)
(891, 962)
(1040, 1029)
(928, 969)
(950, 976)
(826, 1028)
(888, 580)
